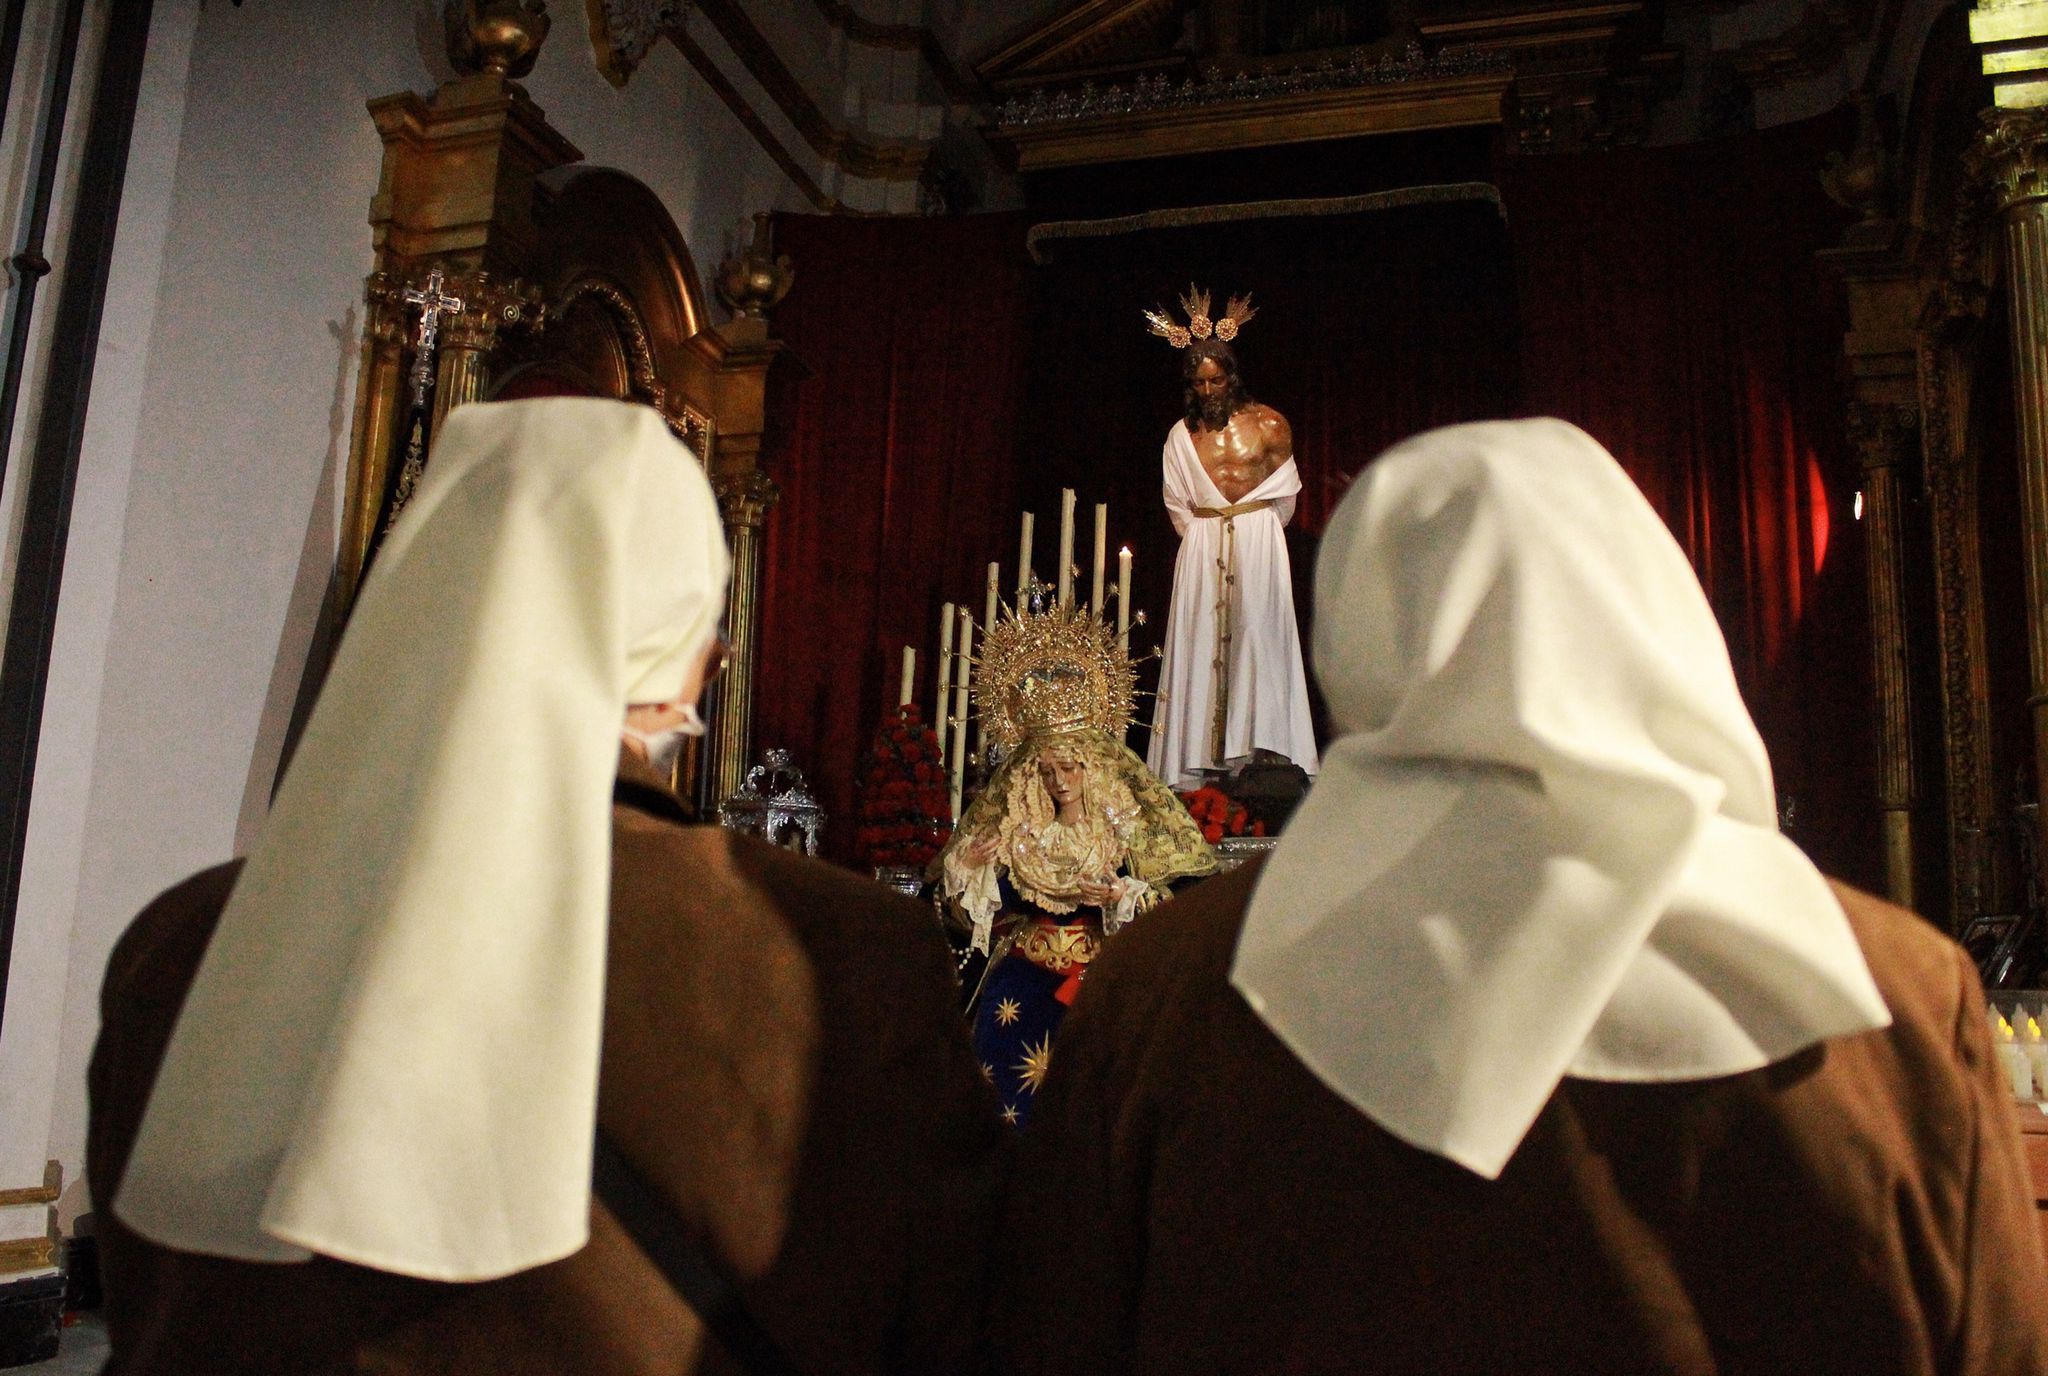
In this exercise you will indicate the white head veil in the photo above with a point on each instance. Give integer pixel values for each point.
(1546, 843)
(390, 1052)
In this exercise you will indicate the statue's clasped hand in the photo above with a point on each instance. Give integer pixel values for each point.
(1106, 892)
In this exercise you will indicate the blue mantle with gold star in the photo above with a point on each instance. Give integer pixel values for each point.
(1020, 1008)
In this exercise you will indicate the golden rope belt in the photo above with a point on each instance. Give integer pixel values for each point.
(1226, 579)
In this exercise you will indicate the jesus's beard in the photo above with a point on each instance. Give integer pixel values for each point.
(1214, 411)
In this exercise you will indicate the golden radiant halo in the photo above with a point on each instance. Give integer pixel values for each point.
(1060, 669)
(1195, 301)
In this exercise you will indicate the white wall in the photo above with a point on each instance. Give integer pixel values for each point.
(39, 975)
(208, 508)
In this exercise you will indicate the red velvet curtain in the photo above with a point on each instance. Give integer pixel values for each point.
(1671, 305)
(895, 462)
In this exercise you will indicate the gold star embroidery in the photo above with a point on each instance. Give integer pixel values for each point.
(1010, 1115)
(988, 1072)
(1037, 1059)
(1008, 1011)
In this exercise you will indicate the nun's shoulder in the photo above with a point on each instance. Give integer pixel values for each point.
(1926, 978)
(1191, 935)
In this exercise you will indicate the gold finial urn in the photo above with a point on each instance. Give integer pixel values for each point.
(498, 37)
(751, 284)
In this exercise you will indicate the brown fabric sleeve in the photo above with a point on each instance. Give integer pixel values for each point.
(2003, 1324)
(960, 1166)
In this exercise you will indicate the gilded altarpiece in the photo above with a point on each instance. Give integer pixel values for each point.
(546, 277)
(1933, 405)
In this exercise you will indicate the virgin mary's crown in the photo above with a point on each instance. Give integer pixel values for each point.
(1050, 669)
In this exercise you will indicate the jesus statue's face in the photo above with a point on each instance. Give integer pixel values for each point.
(1211, 389)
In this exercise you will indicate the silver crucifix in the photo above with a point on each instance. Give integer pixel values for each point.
(433, 304)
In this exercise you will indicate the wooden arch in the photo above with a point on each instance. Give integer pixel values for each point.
(622, 301)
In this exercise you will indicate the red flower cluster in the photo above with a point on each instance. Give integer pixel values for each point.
(1218, 816)
(904, 800)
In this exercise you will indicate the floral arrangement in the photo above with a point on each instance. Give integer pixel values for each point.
(1218, 816)
(904, 797)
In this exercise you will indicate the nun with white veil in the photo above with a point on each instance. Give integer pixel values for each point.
(1533, 1047)
(345, 1094)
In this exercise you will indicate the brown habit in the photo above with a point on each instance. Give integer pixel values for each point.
(782, 1058)
(1191, 1199)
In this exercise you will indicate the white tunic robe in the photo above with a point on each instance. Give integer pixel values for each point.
(1267, 696)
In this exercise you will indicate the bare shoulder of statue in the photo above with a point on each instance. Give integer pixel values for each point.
(1278, 436)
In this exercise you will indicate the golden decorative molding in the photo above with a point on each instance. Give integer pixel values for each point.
(1308, 117)
(27, 1254)
(644, 382)
(1586, 73)
(1238, 211)
(1567, 75)
(34, 1253)
(1950, 331)
(45, 1193)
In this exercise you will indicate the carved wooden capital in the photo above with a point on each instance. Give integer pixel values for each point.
(488, 307)
(384, 313)
(745, 498)
(2011, 159)
(1884, 433)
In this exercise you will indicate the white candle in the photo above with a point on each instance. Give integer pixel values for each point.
(1024, 561)
(988, 622)
(1101, 549)
(1123, 598)
(960, 708)
(903, 693)
(1066, 578)
(945, 676)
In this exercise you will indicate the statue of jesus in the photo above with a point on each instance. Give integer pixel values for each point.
(1230, 679)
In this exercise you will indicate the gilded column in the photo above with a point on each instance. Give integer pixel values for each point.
(378, 385)
(744, 500)
(472, 334)
(2014, 159)
(1884, 436)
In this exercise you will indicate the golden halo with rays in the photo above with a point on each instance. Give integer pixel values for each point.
(1060, 669)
